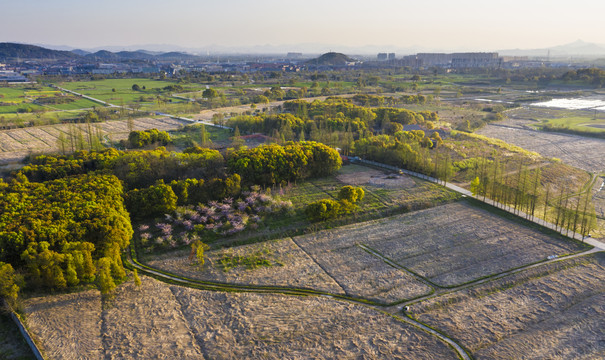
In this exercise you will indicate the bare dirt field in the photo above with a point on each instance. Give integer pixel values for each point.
(290, 266)
(582, 152)
(163, 321)
(449, 244)
(377, 178)
(17, 143)
(556, 311)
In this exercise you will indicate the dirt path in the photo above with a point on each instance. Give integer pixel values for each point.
(206, 285)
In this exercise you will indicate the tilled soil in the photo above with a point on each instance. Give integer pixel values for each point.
(68, 326)
(581, 152)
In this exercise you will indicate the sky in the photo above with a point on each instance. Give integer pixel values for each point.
(474, 25)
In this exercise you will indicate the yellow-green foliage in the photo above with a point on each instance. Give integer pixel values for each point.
(499, 143)
(42, 225)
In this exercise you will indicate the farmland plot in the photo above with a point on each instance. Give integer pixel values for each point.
(233, 325)
(63, 332)
(359, 273)
(582, 152)
(15, 144)
(555, 311)
(172, 322)
(147, 323)
(449, 244)
(290, 266)
(140, 323)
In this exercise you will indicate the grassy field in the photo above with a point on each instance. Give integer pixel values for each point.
(16, 98)
(12, 345)
(580, 123)
(123, 94)
(555, 311)
(191, 135)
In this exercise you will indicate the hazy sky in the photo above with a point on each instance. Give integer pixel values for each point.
(435, 24)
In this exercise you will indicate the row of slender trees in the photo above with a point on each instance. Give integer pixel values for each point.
(521, 187)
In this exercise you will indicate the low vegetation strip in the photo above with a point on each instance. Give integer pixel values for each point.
(15, 341)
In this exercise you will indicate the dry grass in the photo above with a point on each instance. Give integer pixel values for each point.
(449, 244)
(359, 273)
(161, 321)
(235, 326)
(147, 323)
(377, 178)
(555, 311)
(581, 152)
(58, 322)
(290, 267)
(17, 143)
(312, 261)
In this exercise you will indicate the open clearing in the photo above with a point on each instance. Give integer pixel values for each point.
(18, 143)
(556, 311)
(172, 322)
(449, 244)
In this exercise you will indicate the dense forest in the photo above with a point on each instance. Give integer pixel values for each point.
(66, 220)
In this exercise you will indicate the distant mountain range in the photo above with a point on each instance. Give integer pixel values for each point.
(13, 51)
(577, 48)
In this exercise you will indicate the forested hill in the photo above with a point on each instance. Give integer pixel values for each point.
(331, 58)
(12, 51)
(22, 51)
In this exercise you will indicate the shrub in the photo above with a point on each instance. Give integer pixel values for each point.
(322, 210)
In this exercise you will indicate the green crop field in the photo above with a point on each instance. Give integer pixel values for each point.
(103, 89)
(580, 123)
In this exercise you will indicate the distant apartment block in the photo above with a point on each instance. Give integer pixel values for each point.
(454, 60)
(385, 56)
(11, 76)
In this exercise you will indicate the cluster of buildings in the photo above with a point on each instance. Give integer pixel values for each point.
(465, 60)
(292, 62)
